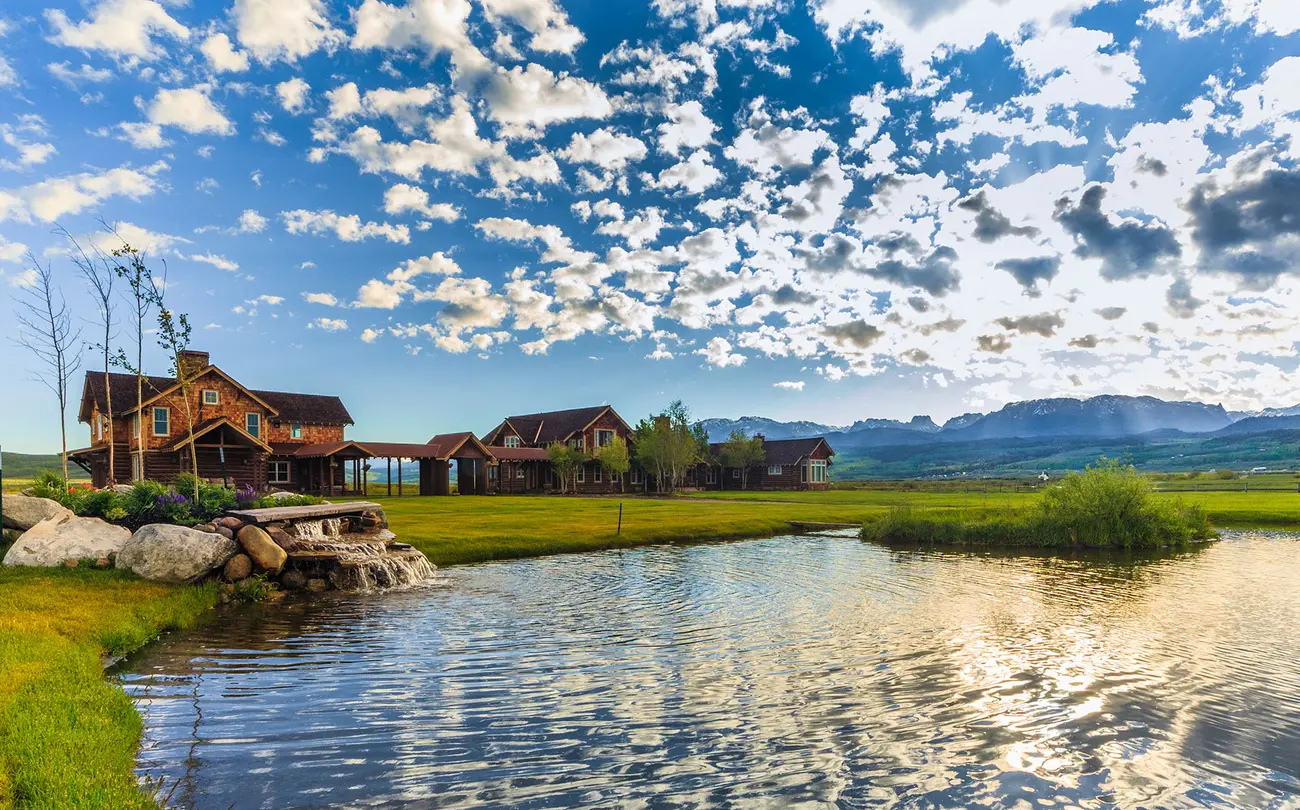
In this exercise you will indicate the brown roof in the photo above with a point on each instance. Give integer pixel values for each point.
(123, 389)
(312, 409)
(520, 453)
(784, 451)
(207, 426)
(403, 450)
(318, 450)
(551, 426)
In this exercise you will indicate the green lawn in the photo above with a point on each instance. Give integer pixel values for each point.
(67, 736)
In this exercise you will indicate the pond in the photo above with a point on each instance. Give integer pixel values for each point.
(785, 672)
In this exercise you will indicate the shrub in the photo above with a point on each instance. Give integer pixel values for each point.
(285, 500)
(49, 484)
(1108, 505)
(253, 589)
(140, 502)
(1225, 475)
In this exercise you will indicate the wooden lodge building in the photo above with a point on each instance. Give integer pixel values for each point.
(295, 442)
(788, 465)
(519, 445)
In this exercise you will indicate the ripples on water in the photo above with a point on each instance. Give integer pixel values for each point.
(791, 672)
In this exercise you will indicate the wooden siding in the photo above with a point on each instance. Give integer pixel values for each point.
(311, 434)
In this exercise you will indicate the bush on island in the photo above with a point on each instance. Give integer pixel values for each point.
(1108, 505)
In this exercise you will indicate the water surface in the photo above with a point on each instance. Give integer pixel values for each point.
(782, 673)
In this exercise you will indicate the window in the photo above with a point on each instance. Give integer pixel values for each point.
(99, 431)
(599, 472)
(253, 424)
(295, 430)
(519, 471)
(512, 441)
(580, 442)
(135, 426)
(710, 476)
(106, 428)
(735, 473)
(604, 437)
(774, 469)
(582, 474)
(803, 473)
(278, 472)
(636, 475)
(211, 397)
(492, 473)
(162, 422)
(817, 471)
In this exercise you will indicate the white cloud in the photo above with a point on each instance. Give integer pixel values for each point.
(293, 94)
(605, 148)
(695, 174)
(436, 26)
(790, 385)
(222, 56)
(56, 197)
(688, 127)
(143, 135)
(251, 222)
(219, 262)
(717, 352)
(324, 299)
(329, 324)
(524, 101)
(548, 24)
(369, 335)
(284, 29)
(74, 78)
(30, 153)
(348, 228)
(1072, 66)
(11, 251)
(403, 197)
(118, 28)
(189, 109)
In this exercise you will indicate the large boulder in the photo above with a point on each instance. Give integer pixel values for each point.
(267, 556)
(52, 541)
(22, 512)
(174, 553)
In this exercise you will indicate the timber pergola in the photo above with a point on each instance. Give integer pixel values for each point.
(434, 463)
(324, 465)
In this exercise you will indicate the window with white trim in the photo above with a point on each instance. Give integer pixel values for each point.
(774, 469)
(253, 424)
(211, 397)
(519, 471)
(735, 473)
(635, 475)
(512, 442)
(277, 472)
(817, 472)
(135, 426)
(604, 437)
(710, 476)
(582, 474)
(295, 430)
(598, 473)
(162, 422)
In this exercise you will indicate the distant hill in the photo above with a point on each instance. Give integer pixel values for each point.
(1260, 424)
(720, 429)
(1105, 416)
(1294, 410)
(24, 465)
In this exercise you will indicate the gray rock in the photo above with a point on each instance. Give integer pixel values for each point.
(318, 585)
(209, 528)
(266, 554)
(282, 538)
(52, 541)
(174, 553)
(232, 523)
(239, 567)
(279, 496)
(226, 533)
(294, 580)
(122, 489)
(22, 512)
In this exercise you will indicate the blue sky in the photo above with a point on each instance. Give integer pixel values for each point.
(448, 210)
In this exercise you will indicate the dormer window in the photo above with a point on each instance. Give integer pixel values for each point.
(512, 441)
(211, 397)
(295, 430)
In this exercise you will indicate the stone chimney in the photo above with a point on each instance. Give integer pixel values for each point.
(192, 362)
(760, 437)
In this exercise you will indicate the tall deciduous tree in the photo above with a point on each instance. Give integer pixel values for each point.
(670, 444)
(100, 274)
(742, 452)
(614, 459)
(174, 337)
(565, 462)
(45, 328)
(141, 292)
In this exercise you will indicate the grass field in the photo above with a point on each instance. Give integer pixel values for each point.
(68, 736)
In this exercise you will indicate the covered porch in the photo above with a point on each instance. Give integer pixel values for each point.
(224, 452)
(433, 462)
(319, 469)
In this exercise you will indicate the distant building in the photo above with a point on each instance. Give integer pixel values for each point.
(519, 445)
(788, 464)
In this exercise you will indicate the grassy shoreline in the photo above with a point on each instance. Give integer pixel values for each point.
(68, 736)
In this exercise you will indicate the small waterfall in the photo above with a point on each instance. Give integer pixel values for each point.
(357, 562)
(318, 529)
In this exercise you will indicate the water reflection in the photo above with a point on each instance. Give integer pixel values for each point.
(793, 672)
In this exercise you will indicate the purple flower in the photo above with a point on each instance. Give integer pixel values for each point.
(245, 495)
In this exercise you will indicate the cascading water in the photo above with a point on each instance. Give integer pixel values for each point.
(355, 561)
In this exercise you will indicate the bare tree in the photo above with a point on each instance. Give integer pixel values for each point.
(100, 273)
(141, 293)
(174, 336)
(45, 328)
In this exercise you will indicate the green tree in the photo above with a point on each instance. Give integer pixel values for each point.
(614, 459)
(174, 337)
(565, 463)
(742, 452)
(669, 444)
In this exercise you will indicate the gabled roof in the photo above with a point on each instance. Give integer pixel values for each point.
(313, 409)
(449, 444)
(520, 453)
(319, 450)
(554, 426)
(208, 426)
(123, 389)
(784, 451)
(196, 381)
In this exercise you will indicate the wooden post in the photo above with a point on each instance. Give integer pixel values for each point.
(390, 476)
(620, 518)
(399, 476)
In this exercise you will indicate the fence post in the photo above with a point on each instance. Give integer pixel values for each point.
(619, 531)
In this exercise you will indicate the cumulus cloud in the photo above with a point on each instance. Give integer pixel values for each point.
(56, 197)
(1126, 247)
(402, 197)
(286, 30)
(718, 353)
(189, 109)
(524, 101)
(123, 28)
(222, 56)
(790, 385)
(348, 228)
(293, 94)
